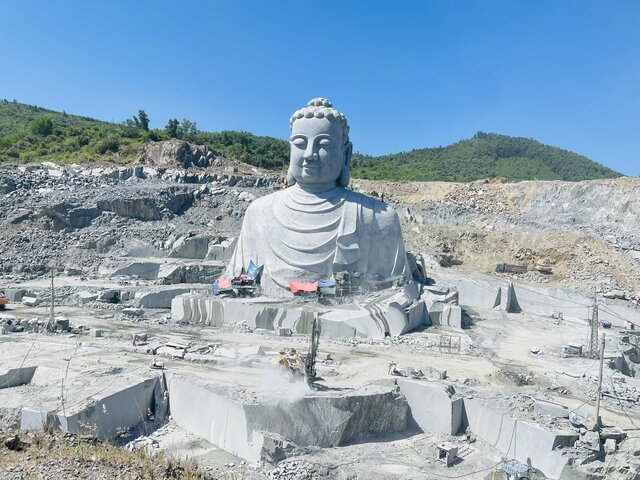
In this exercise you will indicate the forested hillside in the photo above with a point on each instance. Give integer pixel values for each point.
(31, 133)
(484, 155)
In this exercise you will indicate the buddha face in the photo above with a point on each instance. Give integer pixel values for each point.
(318, 153)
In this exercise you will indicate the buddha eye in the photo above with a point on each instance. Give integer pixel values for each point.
(299, 142)
(325, 142)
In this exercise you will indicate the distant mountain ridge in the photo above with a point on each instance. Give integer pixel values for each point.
(482, 156)
(30, 134)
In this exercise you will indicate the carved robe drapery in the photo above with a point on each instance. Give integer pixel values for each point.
(303, 236)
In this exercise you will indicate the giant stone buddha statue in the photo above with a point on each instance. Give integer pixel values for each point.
(317, 227)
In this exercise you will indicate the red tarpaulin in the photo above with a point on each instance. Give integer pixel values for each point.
(303, 287)
(224, 283)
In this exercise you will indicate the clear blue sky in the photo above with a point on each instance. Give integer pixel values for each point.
(408, 74)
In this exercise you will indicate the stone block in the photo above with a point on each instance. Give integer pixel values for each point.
(609, 445)
(433, 409)
(580, 417)
(15, 294)
(158, 298)
(86, 297)
(30, 301)
(109, 296)
(543, 407)
(190, 247)
(14, 377)
(446, 314)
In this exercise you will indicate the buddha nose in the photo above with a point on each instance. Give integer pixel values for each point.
(309, 154)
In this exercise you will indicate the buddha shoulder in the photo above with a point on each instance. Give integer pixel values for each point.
(376, 211)
(261, 204)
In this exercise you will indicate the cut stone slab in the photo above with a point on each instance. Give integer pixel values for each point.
(190, 247)
(515, 438)
(159, 298)
(86, 297)
(15, 294)
(30, 301)
(16, 376)
(433, 409)
(313, 420)
(446, 314)
(104, 416)
(543, 407)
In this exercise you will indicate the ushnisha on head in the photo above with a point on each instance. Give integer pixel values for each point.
(320, 147)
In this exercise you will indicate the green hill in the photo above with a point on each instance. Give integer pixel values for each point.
(485, 155)
(31, 134)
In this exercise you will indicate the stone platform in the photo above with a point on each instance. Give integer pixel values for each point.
(390, 312)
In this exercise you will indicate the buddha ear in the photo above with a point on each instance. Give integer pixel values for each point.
(345, 174)
(290, 179)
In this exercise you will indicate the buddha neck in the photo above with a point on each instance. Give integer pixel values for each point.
(316, 188)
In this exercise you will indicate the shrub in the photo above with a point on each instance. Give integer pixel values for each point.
(42, 126)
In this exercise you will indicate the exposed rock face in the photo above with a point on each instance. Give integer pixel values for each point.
(177, 151)
(147, 208)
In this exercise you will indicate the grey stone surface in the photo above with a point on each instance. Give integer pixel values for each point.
(446, 314)
(86, 297)
(16, 376)
(240, 428)
(190, 247)
(433, 409)
(515, 438)
(158, 298)
(392, 314)
(15, 294)
(543, 407)
(317, 227)
(30, 301)
(105, 416)
(580, 417)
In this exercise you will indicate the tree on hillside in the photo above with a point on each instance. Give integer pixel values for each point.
(172, 127)
(187, 129)
(143, 120)
(42, 126)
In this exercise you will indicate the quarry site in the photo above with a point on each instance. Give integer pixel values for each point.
(485, 365)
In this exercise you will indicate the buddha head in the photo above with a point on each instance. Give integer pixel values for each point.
(320, 146)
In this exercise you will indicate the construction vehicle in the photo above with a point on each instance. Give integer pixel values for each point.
(508, 268)
(3, 301)
(298, 365)
(290, 362)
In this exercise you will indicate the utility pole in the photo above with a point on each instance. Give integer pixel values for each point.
(52, 319)
(598, 419)
(593, 329)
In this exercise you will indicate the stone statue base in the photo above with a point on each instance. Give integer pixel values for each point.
(391, 312)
